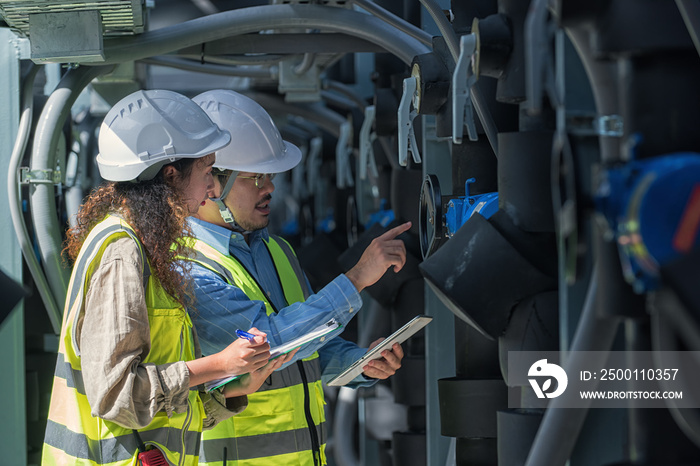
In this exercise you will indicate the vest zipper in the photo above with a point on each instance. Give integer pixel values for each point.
(183, 434)
(315, 443)
(188, 417)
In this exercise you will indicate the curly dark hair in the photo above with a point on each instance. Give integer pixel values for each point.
(156, 212)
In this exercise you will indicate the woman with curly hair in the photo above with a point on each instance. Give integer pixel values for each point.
(128, 367)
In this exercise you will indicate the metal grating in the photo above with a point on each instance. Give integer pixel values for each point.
(119, 17)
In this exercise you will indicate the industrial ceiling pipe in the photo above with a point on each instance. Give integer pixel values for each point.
(317, 113)
(259, 18)
(213, 69)
(394, 20)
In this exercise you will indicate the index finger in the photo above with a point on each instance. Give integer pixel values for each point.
(396, 231)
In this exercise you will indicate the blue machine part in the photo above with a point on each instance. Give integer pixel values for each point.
(326, 224)
(460, 209)
(290, 228)
(653, 207)
(383, 216)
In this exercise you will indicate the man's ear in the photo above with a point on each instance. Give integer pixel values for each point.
(215, 191)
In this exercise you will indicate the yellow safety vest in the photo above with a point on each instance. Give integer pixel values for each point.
(73, 436)
(284, 423)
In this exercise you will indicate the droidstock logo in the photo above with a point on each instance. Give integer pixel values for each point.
(543, 370)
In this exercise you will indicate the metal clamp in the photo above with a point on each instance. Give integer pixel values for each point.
(343, 149)
(407, 137)
(47, 176)
(367, 138)
(463, 79)
(609, 125)
(592, 125)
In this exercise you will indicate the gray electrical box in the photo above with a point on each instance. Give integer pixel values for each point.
(66, 37)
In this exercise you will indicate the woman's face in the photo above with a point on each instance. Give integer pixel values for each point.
(194, 188)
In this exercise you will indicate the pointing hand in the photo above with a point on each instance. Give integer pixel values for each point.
(383, 252)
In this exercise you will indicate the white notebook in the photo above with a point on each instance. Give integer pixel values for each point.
(319, 332)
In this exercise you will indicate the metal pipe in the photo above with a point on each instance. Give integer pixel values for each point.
(560, 427)
(261, 59)
(389, 152)
(338, 101)
(396, 21)
(485, 117)
(669, 337)
(344, 423)
(197, 67)
(603, 78)
(306, 63)
(25, 124)
(258, 18)
(448, 33)
(346, 91)
(324, 117)
(690, 11)
(42, 195)
(346, 402)
(280, 43)
(76, 192)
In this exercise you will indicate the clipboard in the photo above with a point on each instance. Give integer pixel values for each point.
(319, 332)
(399, 336)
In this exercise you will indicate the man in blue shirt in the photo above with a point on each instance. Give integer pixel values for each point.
(244, 277)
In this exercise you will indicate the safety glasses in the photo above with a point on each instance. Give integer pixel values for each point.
(259, 178)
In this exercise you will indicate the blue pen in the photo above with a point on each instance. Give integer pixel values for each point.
(246, 335)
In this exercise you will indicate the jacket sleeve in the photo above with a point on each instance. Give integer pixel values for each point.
(221, 308)
(218, 408)
(114, 338)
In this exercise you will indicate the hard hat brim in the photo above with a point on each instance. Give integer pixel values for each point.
(291, 158)
(138, 170)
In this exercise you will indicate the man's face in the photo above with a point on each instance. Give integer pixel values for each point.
(249, 204)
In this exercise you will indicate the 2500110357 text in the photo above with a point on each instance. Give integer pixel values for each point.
(637, 374)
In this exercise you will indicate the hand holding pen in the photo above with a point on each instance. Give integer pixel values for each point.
(246, 354)
(250, 336)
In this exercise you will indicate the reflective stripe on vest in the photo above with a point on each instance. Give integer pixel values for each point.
(73, 436)
(285, 417)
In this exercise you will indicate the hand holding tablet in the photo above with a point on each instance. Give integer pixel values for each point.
(401, 335)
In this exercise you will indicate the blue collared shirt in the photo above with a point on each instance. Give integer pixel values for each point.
(221, 308)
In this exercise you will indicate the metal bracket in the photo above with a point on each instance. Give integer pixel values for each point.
(463, 79)
(48, 176)
(343, 149)
(591, 125)
(367, 138)
(407, 136)
(609, 125)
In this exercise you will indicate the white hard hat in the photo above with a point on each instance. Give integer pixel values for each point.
(148, 129)
(258, 146)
